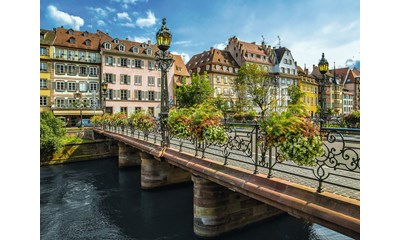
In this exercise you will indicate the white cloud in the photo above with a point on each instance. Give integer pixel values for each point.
(62, 18)
(131, 25)
(146, 22)
(101, 23)
(185, 57)
(220, 46)
(139, 39)
(183, 43)
(124, 15)
(99, 11)
(110, 9)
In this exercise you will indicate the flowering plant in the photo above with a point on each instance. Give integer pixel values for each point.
(142, 121)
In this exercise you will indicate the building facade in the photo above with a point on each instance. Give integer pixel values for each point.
(221, 69)
(309, 86)
(46, 51)
(180, 73)
(76, 75)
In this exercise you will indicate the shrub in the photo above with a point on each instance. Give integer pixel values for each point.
(51, 133)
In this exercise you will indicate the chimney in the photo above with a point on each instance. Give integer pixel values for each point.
(295, 63)
(149, 42)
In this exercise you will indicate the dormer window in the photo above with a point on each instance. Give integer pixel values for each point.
(42, 36)
(71, 40)
(135, 50)
(107, 45)
(88, 42)
(217, 67)
(85, 34)
(143, 45)
(71, 32)
(148, 51)
(121, 48)
(116, 41)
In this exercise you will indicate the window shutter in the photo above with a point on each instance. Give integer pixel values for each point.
(113, 61)
(120, 78)
(128, 62)
(118, 94)
(146, 94)
(129, 79)
(133, 63)
(141, 63)
(114, 76)
(114, 94)
(136, 94)
(119, 62)
(53, 85)
(128, 94)
(104, 78)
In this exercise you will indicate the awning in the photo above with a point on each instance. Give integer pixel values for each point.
(77, 112)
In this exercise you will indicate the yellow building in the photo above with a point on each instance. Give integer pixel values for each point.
(309, 86)
(46, 40)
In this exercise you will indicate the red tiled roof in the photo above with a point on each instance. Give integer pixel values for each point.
(180, 68)
(63, 37)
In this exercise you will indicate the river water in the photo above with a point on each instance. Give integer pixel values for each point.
(96, 200)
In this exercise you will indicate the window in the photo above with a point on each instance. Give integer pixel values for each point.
(217, 67)
(109, 60)
(82, 71)
(71, 70)
(110, 94)
(139, 95)
(151, 65)
(92, 57)
(125, 79)
(93, 86)
(107, 45)
(124, 62)
(88, 42)
(70, 54)
(43, 83)
(135, 50)
(83, 87)
(138, 109)
(218, 79)
(148, 51)
(124, 110)
(60, 86)
(43, 101)
(116, 41)
(43, 51)
(225, 79)
(158, 82)
(60, 103)
(121, 48)
(72, 40)
(43, 67)
(138, 80)
(59, 53)
(124, 94)
(93, 71)
(71, 86)
(151, 81)
(60, 69)
(282, 70)
(288, 70)
(42, 36)
(138, 63)
(284, 60)
(225, 91)
(151, 95)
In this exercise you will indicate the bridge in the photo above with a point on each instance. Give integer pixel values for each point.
(238, 183)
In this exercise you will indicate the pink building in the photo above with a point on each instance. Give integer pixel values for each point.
(129, 68)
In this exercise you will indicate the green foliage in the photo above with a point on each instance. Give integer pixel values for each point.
(295, 94)
(202, 122)
(253, 81)
(142, 121)
(220, 103)
(51, 133)
(295, 136)
(352, 119)
(195, 93)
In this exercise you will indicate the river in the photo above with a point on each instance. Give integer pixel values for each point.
(97, 200)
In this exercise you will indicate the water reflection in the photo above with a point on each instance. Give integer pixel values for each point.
(96, 200)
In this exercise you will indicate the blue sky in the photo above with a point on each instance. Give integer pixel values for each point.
(307, 27)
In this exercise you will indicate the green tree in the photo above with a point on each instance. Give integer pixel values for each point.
(295, 94)
(195, 93)
(253, 81)
(220, 103)
(51, 133)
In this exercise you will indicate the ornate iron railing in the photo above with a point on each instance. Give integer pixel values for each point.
(337, 170)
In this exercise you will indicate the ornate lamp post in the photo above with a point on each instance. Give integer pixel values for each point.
(164, 62)
(104, 86)
(323, 67)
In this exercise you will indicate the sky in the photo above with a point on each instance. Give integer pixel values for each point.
(307, 27)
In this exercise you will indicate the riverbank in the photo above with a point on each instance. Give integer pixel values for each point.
(90, 149)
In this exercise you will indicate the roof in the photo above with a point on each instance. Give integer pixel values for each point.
(280, 52)
(49, 36)
(128, 45)
(253, 48)
(179, 66)
(63, 37)
(212, 57)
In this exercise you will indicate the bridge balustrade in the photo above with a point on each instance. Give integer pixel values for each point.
(337, 170)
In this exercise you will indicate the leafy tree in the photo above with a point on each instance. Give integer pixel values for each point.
(195, 93)
(51, 133)
(295, 94)
(352, 119)
(253, 82)
(220, 103)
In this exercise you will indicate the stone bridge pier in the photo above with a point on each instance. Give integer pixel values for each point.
(156, 172)
(218, 210)
(128, 156)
